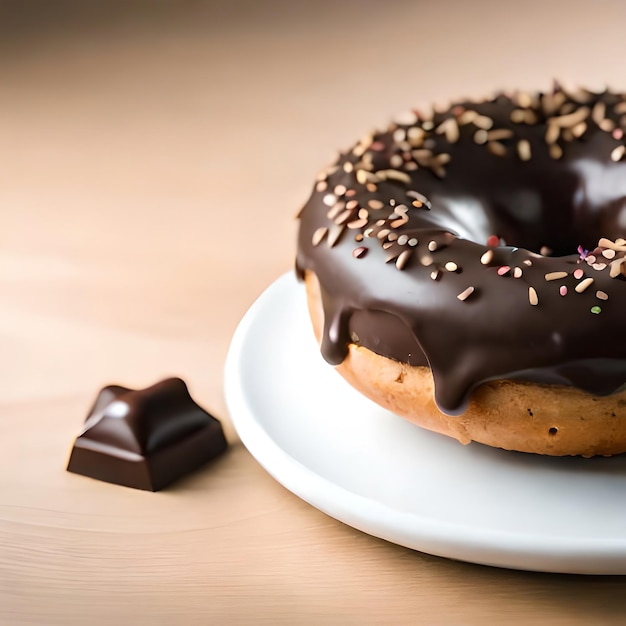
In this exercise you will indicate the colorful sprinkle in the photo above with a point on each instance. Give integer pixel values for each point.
(578, 274)
(503, 270)
(596, 310)
(563, 290)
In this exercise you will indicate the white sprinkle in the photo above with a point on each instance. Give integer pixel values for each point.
(523, 149)
(402, 259)
(532, 296)
(451, 266)
(464, 295)
(486, 258)
(329, 199)
(583, 284)
(618, 153)
(318, 235)
(555, 275)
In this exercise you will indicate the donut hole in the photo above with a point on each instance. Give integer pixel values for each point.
(543, 207)
(553, 431)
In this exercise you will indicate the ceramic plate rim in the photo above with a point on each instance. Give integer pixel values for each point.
(501, 548)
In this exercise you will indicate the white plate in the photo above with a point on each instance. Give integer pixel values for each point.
(372, 470)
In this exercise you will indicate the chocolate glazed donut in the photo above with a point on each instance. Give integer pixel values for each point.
(466, 269)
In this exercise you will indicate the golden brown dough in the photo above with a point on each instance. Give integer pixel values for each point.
(544, 419)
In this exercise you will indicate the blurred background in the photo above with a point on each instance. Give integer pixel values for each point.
(146, 146)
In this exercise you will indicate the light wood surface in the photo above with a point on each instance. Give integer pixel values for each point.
(152, 159)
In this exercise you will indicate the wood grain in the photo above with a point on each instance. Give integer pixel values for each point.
(151, 163)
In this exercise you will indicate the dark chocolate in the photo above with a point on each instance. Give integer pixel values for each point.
(462, 219)
(146, 438)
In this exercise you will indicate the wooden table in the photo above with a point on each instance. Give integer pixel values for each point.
(152, 161)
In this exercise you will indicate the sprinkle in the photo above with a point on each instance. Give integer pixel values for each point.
(415, 135)
(496, 148)
(598, 112)
(607, 125)
(358, 237)
(527, 262)
(500, 133)
(420, 197)
(402, 259)
(608, 254)
(434, 275)
(618, 153)
(396, 160)
(334, 234)
(319, 235)
(493, 241)
(579, 130)
(329, 199)
(413, 242)
(555, 275)
(369, 186)
(402, 239)
(583, 253)
(552, 133)
(467, 117)
(596, 310)
(583, 284)
(406, 119)
(602, 295)
(450, 128)
(482, 121)
(545, 251)
(321, 186)
(563, 290)
(359, 253)
(432, 246)
(486, 258)
(402, 177)
(354, 224)
(375, 204)
(523, 150)
(578, 274)
(348, 167)
(340, 190)
(503, 270)
(555, 151)
(517, 272)
(451, 266)
(464, 295)
(618, 133)
(481, 137)
(571, 119)
(532, 296)
(518, 116)
(616, 267)
(426, 260)
(383, 233)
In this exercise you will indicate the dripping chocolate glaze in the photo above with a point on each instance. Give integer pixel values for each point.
(426, 197)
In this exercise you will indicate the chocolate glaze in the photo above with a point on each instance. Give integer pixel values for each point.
(145, 438)
(561, 189)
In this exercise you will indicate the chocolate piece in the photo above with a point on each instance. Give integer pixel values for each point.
(145, 438)
(464, 198)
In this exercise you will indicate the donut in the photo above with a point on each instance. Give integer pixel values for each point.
(465, 268)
